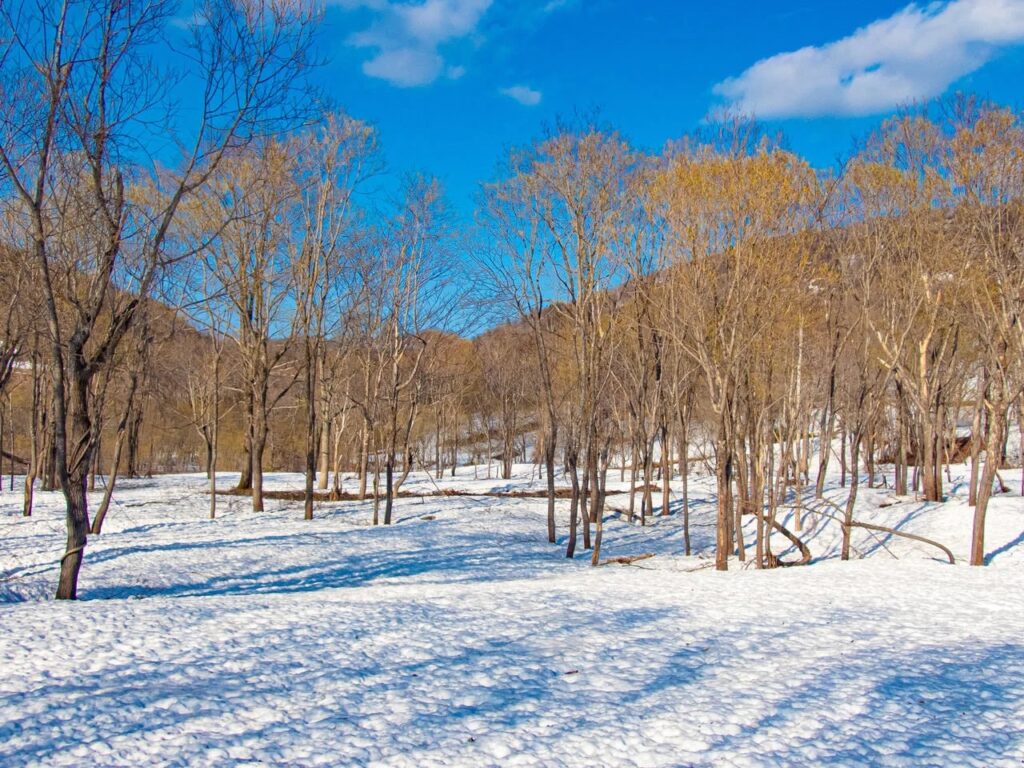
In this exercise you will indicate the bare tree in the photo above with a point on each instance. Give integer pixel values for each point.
(733, 210)
(78, 86)
(331, 163)
(557, 215)
(250, 261)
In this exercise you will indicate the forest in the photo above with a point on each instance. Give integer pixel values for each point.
(258, 303)
(698, 451)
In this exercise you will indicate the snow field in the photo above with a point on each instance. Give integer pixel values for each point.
(466, 639)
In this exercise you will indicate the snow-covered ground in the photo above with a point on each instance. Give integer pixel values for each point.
(459, 636)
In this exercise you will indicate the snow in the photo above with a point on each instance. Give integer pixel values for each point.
(467, 640)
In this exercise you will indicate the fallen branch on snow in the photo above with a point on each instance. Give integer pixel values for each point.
(626, 560)
(905, 535)
(883, 529)
(805, 552)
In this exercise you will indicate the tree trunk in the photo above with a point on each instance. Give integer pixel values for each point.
(34, 457)
(307, 501)
(259, 444)
(312, 440)
(929, 464)
(741, 505)
(122, 430)
(827, 429)
(902, 440)
(723, 478)
(869, 456)
(93, 465)
(389, 487)
(976, 443)
(851, 499)
(71, 408)
(997, 429)
(78, 526)
(214, 436)
(570, 548)
(408, 464)
(647, 499)
(325, 455)
(3, 421)
(208, 445)
(549, 464)
(245, 480)
(666, 470)
(798, 490)
(757, 498)
(598, 480)
(108, 492)
(49, 452)
(134, 432)
(584, 505)
(842, 458)
(376, 491)
(632, 480)
(364, 459)
(438, 429)
(339, 431)
(684, 471)
(1020, 433)
(508, 449)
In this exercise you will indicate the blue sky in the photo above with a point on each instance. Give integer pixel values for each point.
(451, 84)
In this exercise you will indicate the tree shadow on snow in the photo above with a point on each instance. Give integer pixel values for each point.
(1010, 545)
(378, 694)
(397, 682)
(925, 707)
(332, 564)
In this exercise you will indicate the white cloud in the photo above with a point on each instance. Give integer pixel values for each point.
(915, 54)
(525, 95)
(406, 37)
(405, 67)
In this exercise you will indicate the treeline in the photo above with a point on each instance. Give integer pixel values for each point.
(259, 303)
(726, 288)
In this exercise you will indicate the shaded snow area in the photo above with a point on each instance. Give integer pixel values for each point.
(459, 637)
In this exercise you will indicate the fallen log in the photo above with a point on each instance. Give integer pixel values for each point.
(560, 493)
(626, 560)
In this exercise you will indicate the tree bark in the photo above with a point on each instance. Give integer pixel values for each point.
(723, 478)
(570, 548)
(851, 499)
(549, 464)
(997, 428)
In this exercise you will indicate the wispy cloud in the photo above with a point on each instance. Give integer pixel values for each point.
(915, 54)
(406, 37)
(554, 5)
(525, 95)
